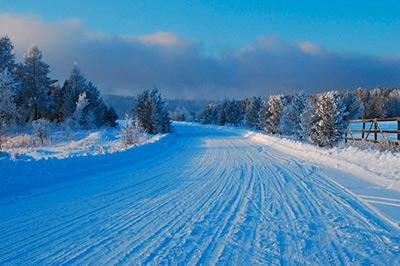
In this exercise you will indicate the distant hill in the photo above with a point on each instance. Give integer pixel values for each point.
(122, 104)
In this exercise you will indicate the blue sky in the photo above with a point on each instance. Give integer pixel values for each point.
(366, 26)
(213, 49)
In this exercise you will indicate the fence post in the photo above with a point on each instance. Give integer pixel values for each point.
(398, 129)
(363, 129)
(376, 130)
(345, 137)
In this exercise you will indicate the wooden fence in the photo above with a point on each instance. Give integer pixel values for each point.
(374, 133)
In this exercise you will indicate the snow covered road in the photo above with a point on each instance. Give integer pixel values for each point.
(203, 196)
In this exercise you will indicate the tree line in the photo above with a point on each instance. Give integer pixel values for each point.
(28, 94)
(318, 118)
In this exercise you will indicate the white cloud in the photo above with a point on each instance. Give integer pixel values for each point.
(309, 47)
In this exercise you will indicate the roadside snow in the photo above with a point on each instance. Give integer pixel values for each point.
(380, 168)
(64, 144)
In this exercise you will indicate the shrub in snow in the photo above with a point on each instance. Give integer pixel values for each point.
(42, 130)
(383, 146)
(131, 131)
(331, 125)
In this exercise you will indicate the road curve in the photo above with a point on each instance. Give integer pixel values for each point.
(209, 197)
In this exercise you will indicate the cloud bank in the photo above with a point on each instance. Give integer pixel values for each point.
(126, 64)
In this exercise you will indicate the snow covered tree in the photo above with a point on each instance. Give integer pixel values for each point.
(393, 103)
(290, 122)
(352, 106)
(160, 116)
(7, 57)
(221, 109)
(42, 130)
(181, 114)
(275, 108)
(74, 86)
(309, 119)
(7, 106)
(149, 109)
(33, 98)
(83, 117)
(363, 97)
(376, 104)
(232, 113)
(111, 117)
(251, 115)
(208, 115)
(263, 115)
(331, 124)
(131, 131)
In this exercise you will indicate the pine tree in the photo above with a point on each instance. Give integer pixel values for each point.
(8, 112)
(376, 104)
(149, 109)
(74, 86)
(363, 97)
(207, 116)
(7, 57)
(309, 119)
(232, 113)
(290, 122)
(252, 110)
(263, 115)
(33, 98)
(111, 117)
(83, 117)
(221, 120)
(275, 108)
(331, 125)
(393, 103)
(352, 106)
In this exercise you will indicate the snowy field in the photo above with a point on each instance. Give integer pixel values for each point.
(203, 195)
(68, 143)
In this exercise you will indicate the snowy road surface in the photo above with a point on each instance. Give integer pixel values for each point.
(203, 197)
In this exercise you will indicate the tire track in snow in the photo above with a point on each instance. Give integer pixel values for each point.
(211, 197)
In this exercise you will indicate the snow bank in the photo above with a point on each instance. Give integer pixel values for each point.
(381, 168)
(26, 174)
(65, 144)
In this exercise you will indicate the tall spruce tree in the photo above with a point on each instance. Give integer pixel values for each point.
(275, 108)
(33, 98)
(7, 57)
(252, 110)
(331, 124)
(290, 123)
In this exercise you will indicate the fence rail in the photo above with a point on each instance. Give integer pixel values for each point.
(374, 133)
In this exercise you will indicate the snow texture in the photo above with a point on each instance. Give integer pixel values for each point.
(202, 195)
